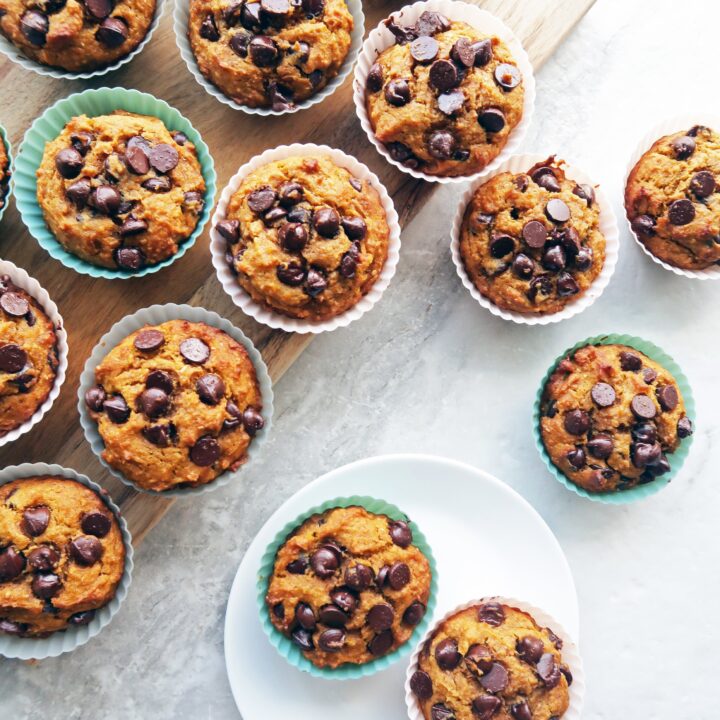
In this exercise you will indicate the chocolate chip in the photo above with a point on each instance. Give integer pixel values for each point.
(195, 351)
(35, 520)
(547, 180)
(263, 51)
(501, 245)
(380, 617)
(291, 274)
(324, 562)
(483, 52)
(414, 613)
(34, 26)
(205, 451)
(548, 670)
(463, 52)
(643, 407)
(133, 226)
(485, 706)
(444, 75)
(82, 618)
(381, 643)
(348, 263)
(702, 184)
(667, 397)
(316, 282)
(94, 398)
(105, 199)
(399, 575)
(629, 361)
(421, 685)
(400, 533)
(12, 358)
(523, 266)
(441, 144)
(354, 227)
(529, 648)
(86, 550)
(163, 157)
(161, 380)
(684, 427)
(210, 389)
(645, 453)
(491, 613)
(577, 422)
(584, 258)
(43, 558)
(447, 655)
(645, 432)
(431, 23)
(252, 421)
(158, 435)
(382, 576)
(479, 659)
(683, 147)
(359, 577)
(239, 43)
(79, 192)
(69, 162)
(129, 258)
(491, 119)
(601, 446)
(603, 394)
(281, 97)
(250, 17)
(554, 258)
(332, 640)
(681, 212)
(374, 80)
(332, 616)
(116, 409)
(160, 184)
(305, 616)
(586, 192)
(46, 586)
(299, 565)
(229, 229)
(12, 563)
(149, 340)
(643, 225)
(576, 458)
(313, 8)
(136, 157)
(276, 9)
(345, 600)
(397, 93)
(208, 29)
(112, 32)
(534, 234)
(496, 680)
(566, 285)
(95, 522)
(521, 711)
(557, 211)
(293, 236)
(303, 639)
(507, 76)
(154, 403)
(401, 153)
(424, 49)
(441, 712)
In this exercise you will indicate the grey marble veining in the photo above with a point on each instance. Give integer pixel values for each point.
(428, 370)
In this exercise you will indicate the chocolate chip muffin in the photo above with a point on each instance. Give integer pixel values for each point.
(61, 555)
(672, 199)
(445, 97)
(531, 242)
(348, 586)
(76, 35)
(609, 416)
(120, 191)
(176, 405)
(305, 237)
(271, 53)
(4, 173)
(492, 661)
(28, 356)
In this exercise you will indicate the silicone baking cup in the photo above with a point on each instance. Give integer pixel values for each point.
(263, 313)
(155, 315)
(73, 637)
(381, 38)
(180, 22)
(6, 185)
(92, 103)
(667, 127)
(676, 459)
(287, 648)
(16, 55)
(570, 655)
(20, 278)
(608, 227)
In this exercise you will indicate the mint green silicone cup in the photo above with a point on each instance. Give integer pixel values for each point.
(288, 649)
(92, 103)
(676, 459)
(6, 187)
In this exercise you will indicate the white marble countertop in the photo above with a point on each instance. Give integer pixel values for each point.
(428, 370)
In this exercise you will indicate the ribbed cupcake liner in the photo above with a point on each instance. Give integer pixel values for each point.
(73, 637)
(676, 459)
(155, 315)
(608, 227)
(93, 103)
(6, 188)
(287, 648)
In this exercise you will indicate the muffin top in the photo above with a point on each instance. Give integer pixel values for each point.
(176, 405)
(271, 53)
(4, 173)
(61, 555)
(348, 586)
(120, 190)
(491, 661)
(76, 35)
(672, 198)
(445, 97)
(305, 237)
(609, 416)
(28, 356)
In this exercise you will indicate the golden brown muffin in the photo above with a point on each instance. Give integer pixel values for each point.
(348, 586)
(28, 356)
(176, 405)
(609, 416)
(61, 555)
(492, 661)
(76, 35)
(4, 173)
(445, 98)
(120, 190)
(305, 237)
(531, 242)
(271, 53)
(672, 199)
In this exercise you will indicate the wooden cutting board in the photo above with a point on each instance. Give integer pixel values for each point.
(90, 306)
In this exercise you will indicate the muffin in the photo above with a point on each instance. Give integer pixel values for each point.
(609, 416)
(348, 586)
(491, 661)
(672, 199)
(272, 53)
(531, 242)
(120, 190)
(445, 97)
(176, 405)
(62, 555)
(305, 237)
(76, 35)
(4, 173)
(28, 356)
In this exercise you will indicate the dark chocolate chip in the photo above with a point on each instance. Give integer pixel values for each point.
(136, 157)
(645, 453)
(507, 76)
(400, 533)
(576, 457)
(441, 144)
(643, 407)
(43, 558)
(523, 266)
(281, 97)
(313, 8)
(94, 398)
(161, 380)
(195, 351)
(463, 52)
(13, 358)
(577, 422)
(643, 225)
(359, 577)
(554, 258)
(116, 409)
(667, 396)
(683, 147)
(424, 49)
(239, 43)
(629, 361)
(332, 640)
(447, 655)
(702, 184)
(397, 93)
(354, 227)
(557, 210)
(324, 562)
(521, 711)
(69, 162)
(299, 565)
(345, 600)
(12, 563)
(586, 192)
(291, 274)
(374, 80)
(316, 282)
(421, 685)
(112, 33)
(35, 520)
(496, 679)
(46, 586)
(483, 52)
(305, 616)
(82, 618)
(133, 226)
(441, 712)
(381, 643)
(584, 258)
(105, 199)
(501, 245)
(326, 221)
(414, 613)
(601, 446)
(154, 403)
(263, 51)
(534, 234)
(547, 181)
(491, 119)
(149, 340)
(380, 617)
(303, 639)
(160, 184)
(205, 451)
(210, 388)
(491, 613)
(95, 522)
(14, 304)
(252, 421)
(603, 394)
(164, 157)
(548, 670)
(34, 26)
(86, 550)
(681, 212)
(479, 659)
(332, 616)
(444, 75)
(485, 706)
(229, 229)
(79, 192)
(645, 432)
(566, 285)
(208, 29)
(129, 258)
(399, 575)
(529, 648)
(431, 23)
(684, 427)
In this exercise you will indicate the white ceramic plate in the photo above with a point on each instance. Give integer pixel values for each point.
(487, 540)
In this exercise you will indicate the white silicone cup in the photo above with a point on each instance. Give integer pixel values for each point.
(570, 655)
(17, 56)
(20, 278)
(608, 227)
(264, 314)
(381, 38)
(154, 315)
(181, 16)
(73, 637)
(667, 127)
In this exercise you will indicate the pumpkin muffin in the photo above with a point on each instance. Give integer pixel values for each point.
(76, 35)
(609, 416)
(672, 199)
(491, 661)
(61, 555)
(4, 173)
(531, 242)
(120, 191)
(445, 97)
(176, 405)
(28, 356)
(271, 53)
(305, 237)
(348, 586)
